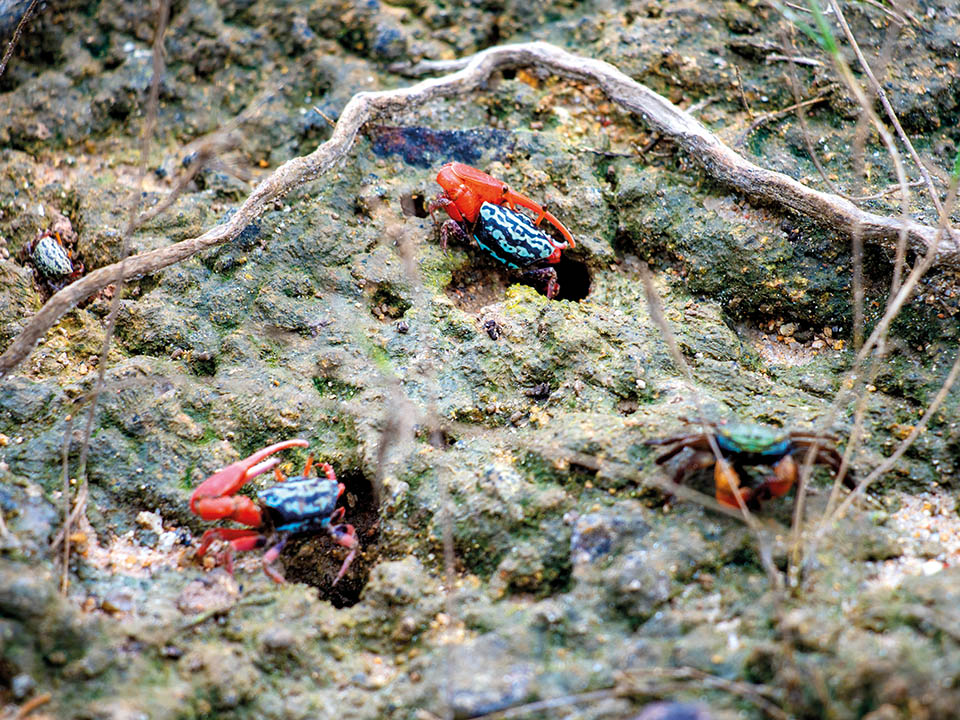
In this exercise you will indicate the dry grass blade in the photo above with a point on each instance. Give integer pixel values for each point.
(887, 464)
(877, 89)
(80, 503)
(770, 116)
(877, 339)
(704, 148)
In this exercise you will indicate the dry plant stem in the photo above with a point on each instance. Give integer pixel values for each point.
(151, 116)
(883, 193)
(865, 102)
(743, 97)
(866, 105)
(748, 691)
(26, 710)
(877, 339)
(895, 16)
(65, 461)
(205, 150)
(877, 89)
(704, 148)
(866, 108)
(887, 464)
(795, 59)
(16, 35)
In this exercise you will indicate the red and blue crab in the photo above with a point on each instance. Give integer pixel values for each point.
(294, 506)
(744, 445)
(485, 208)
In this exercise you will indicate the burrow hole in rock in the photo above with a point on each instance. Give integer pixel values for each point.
(414, 204)
(475, 286)
(386, 303)
(316, 559)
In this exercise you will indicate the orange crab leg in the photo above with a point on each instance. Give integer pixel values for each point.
(726, 479)
(786, 475)
(214, 498)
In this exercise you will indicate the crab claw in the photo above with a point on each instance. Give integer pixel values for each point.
(345, 535)
(214, 498)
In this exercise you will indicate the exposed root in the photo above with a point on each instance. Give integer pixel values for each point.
(664, 118)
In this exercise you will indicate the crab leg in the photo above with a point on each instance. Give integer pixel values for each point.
(239, 539)
(726, 479)
(214, 498)
(346, 536)
(695, 442)
(268, 558)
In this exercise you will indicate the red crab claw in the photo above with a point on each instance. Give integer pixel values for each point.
(214, 498)
(345, 535)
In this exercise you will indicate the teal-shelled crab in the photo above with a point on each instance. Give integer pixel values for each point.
(744, 445)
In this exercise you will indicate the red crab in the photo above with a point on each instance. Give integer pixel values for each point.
(475, 203)
(465, 189)
(299, 505)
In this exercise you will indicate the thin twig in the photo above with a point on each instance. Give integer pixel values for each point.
(743, 97)
(518, 711)
(890, 13)
(794, 59)
(204, 150)
(767, 117)
(887, 464)
(883, 193)
(32, 704)
(748, 691)
(877, 339)
(16, 36)
(147, 132)
(881, 94)
(702, 146)
(67, 517)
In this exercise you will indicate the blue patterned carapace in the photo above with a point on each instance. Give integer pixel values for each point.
(512, 238)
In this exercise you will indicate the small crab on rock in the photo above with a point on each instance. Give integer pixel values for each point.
(485, 208)
(296, 506)
(49, 254)
(744, 445)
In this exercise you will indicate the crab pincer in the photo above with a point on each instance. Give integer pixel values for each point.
(214, 498)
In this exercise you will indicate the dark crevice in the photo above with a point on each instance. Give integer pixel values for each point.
(414, 204)
(574, 278)
(316, 559)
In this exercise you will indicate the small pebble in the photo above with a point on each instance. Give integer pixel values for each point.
(22, 685)
(118, 601)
